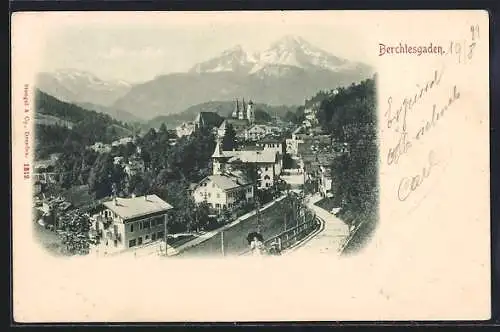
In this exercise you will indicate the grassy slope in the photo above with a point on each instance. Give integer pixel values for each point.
(272, 222)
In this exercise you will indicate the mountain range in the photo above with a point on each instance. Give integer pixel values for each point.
(286, 73)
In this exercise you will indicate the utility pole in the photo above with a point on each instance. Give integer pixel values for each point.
(222, 242)
(258, 215)
(165, 233)
(285, 220)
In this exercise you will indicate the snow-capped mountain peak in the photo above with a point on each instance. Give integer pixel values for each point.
(234, 59)
(289, 42)
(296, 51)
(66, 74)
(237, 49)
(77, 86)
(288, 51)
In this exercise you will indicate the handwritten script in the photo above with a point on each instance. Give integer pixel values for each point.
(396, 119)
(416, 103)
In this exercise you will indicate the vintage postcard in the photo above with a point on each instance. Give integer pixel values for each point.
(250, 166)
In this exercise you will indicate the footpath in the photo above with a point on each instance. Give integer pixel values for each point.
(331, 236)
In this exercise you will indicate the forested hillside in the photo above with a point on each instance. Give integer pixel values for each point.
(83, 127)
(350, 116)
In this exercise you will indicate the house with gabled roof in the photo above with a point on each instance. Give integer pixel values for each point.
(223, 191)
(124, 223)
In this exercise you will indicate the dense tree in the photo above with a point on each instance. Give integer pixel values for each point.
(74, 230)
(229, 140)
(349, 115)
(72, 125)
(202, 216)
(288, 162)
(104, 174)
(262, 117)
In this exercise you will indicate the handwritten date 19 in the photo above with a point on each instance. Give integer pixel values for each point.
(463, 49)
(410, 184)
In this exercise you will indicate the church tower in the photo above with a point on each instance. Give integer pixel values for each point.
(250, 112)
(236, 109)
(241, 113)
(218, 158)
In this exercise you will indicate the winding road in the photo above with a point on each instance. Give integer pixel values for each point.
(327, 241)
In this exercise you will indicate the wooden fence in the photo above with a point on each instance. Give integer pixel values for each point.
(290, 237)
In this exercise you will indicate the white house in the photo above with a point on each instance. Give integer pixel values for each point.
(124, 223)
(256, 132)
(223, 191)
(325, 180)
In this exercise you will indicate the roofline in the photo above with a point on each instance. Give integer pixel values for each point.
(139, 216)
(238, 185)
(144, 216)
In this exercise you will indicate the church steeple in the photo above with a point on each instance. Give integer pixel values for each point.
(216, 157)
(236, 109)
(241, 113)
(218, 153)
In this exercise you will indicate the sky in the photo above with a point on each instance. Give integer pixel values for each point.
(136, 47)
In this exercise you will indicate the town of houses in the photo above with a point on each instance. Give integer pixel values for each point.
(131, 222)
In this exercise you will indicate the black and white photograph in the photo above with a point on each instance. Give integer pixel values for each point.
(191, 142)
(250, 166)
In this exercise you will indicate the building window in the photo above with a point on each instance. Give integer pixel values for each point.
(160, 235)
(218, 195)
(131, 243)
(153, 237)
(139, 241)
(131, 228)
(147, 237)
(146, 224)
(140, 225)
(209, 195)
(217, 205)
